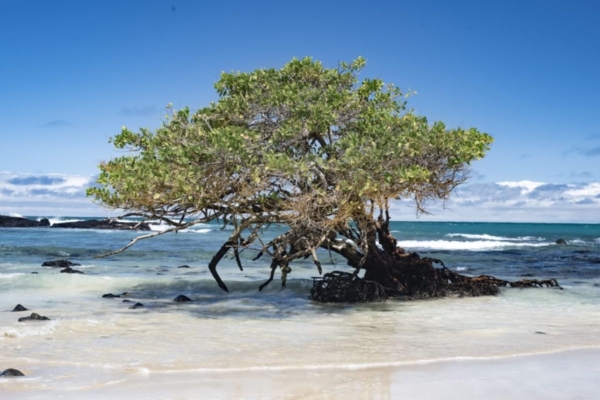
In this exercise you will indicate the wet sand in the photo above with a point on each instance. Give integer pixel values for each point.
(571, 374)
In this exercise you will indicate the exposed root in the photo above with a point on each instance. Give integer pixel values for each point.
(412, 278)
(344, 287)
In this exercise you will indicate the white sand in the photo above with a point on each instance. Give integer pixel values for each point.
(573, 374)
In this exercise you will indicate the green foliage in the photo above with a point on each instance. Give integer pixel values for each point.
(303, 144)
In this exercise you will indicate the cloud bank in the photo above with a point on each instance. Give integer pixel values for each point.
(508, 201)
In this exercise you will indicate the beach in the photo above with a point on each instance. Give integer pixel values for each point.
(523, 343)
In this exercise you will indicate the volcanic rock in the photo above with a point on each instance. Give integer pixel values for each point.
(34, 317)
(184, 266)
(60, 264)
(110, 296)
(18, 308)
(19, 222)
(11, 372)
(561, 241)
(181, 298)
(70, 270)
(104, 224)
(136, 305)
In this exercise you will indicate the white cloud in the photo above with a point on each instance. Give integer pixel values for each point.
(46, 195)
(522, 201)
(525, 186)
(508, 201)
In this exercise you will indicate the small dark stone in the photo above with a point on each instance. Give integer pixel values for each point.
(19, 307)
(44, 222)
(127, 301)
(136, 305)
(184, 266)
(34, 317)
(541, 333)
(181, 298)
(34, 273)
(110, 296)
(125, 294)
(561, 241)
(11, 372)
(60, 264)
(528, 274)
(70, 270)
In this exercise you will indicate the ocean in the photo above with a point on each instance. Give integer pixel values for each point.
(91, 341)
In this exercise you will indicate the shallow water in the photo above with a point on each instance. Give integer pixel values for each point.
(92, 341)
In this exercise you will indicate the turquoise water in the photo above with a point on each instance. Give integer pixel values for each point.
(92, 341)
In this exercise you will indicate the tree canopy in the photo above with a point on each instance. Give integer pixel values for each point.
(313, 148)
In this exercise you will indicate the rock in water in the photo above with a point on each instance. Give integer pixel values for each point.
(11, 372)
(136, 305)
(70, 270)
(34, 317)
(561, 241)
(110, 296)
(104, 224)
(19, 307)
(184, 266)
(60, 264)
(18, 222)
(181, 298)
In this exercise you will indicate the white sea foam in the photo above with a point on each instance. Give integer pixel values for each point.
(16, 215)
(56, 220)
(31, 329)
(492, 237)
(477, 245)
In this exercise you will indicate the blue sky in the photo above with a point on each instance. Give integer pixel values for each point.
(73, 72)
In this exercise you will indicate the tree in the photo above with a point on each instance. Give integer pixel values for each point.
(312, 148)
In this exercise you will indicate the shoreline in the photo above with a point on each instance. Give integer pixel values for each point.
(556, 375)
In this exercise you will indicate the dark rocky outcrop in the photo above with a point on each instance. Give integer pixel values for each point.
(19, 307)
(104, 224)
(127, 301)
(136, 305)
(184, 266)
(11, 372)
(18, 222)
(60, 264)
(561, 241)
(70, 270)
(110, 296)
(181, 298)
(34, 317)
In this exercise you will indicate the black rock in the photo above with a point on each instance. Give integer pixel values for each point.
(60, 264)
(528, 275)
(104, 224)
(181, 298)
(561, 241)
(19, 307)
(44, 222)
(34, 317)
(136, 305)
(35, 273)
(184, 266)
(127, 301)
(70, 270)
(18, 222)
(110, 296)
(540, 333)
(11, 372)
